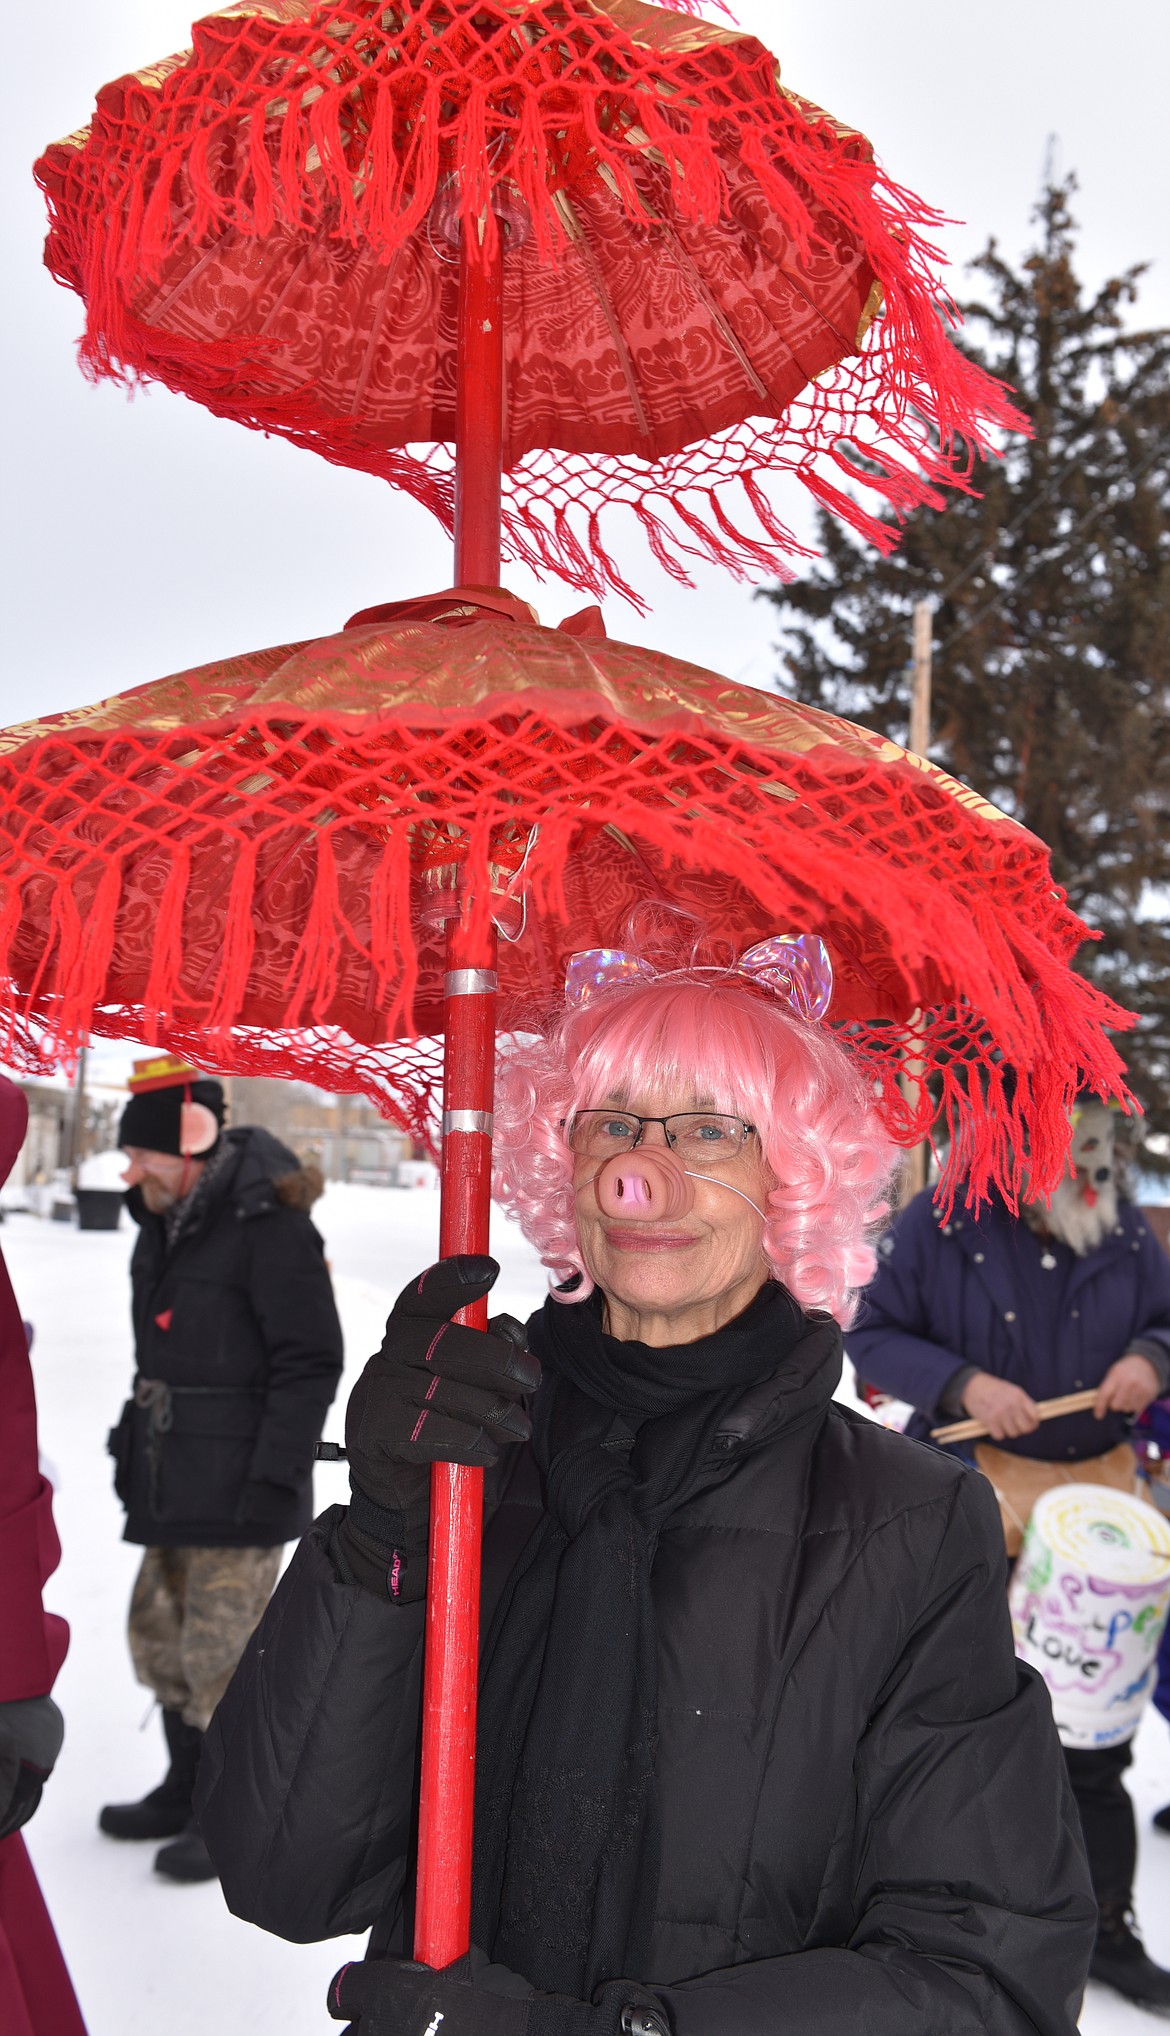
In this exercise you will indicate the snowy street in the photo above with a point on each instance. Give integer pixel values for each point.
(150, 1958)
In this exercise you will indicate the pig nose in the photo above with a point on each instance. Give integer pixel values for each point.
(647, 1186)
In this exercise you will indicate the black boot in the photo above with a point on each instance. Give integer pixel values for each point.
(1162, 1819)
(187, 1859)
(167, 1809)
(1120, 1961)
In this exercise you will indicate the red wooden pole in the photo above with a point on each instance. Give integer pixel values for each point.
(447, 1787)
(479, 418)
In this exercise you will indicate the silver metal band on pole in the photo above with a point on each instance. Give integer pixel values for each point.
(468, 1120)
(470, 983)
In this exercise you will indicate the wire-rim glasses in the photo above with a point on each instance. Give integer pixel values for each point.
(706, 1135)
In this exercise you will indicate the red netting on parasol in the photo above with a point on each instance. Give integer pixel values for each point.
(250, 862)
(694, 258)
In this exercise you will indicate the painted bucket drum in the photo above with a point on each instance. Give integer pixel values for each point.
(1089, 1601)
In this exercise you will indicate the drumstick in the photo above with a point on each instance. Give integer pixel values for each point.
(1068, 1403)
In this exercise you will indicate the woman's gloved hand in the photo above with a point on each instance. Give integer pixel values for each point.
(396, 1997)
(436, 1392)
(31, 1732)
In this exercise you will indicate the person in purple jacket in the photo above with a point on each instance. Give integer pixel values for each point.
(985, 1315)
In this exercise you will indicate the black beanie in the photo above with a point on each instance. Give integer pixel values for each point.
(151, 1120)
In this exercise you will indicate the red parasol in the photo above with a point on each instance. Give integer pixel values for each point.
(256, 859)
(693, 258)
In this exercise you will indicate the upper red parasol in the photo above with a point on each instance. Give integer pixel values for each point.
(707, 281)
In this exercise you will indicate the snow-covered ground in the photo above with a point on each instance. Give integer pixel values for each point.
(149, 1958)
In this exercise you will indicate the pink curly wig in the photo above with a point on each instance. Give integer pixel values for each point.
(733, 1048)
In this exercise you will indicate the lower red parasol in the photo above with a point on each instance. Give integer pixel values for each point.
(257, 860)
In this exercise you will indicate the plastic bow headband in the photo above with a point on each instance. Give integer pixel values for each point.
(794, 967)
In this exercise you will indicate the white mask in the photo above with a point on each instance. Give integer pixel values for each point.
(1083, 1209)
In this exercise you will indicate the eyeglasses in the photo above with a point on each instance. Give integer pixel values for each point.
(694, 1134)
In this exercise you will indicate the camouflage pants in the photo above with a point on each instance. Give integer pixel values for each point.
(192, 1613)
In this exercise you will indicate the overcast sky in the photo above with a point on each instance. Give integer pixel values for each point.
(144, 537)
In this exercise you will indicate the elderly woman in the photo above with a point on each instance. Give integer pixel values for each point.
(755, 1754)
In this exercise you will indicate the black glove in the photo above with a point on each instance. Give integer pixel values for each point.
(436, 1392)
(265, 1506)
(31, 1732)
(396, 1997)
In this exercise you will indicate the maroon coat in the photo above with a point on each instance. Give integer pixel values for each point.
(34, 1640)
(36, 1996)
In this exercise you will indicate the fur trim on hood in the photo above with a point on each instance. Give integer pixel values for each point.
(301, 1189)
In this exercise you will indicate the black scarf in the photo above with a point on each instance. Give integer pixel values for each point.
(566, 1860)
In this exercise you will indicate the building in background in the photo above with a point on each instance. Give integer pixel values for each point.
(344, 1134)
(50, 1122)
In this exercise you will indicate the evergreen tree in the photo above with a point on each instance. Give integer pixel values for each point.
(1051, 586)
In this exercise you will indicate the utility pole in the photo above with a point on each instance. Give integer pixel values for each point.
(77, 1120)
(916, 1158)
(920, 693)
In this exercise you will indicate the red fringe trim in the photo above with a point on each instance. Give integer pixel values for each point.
(167, 956)
(239, 943)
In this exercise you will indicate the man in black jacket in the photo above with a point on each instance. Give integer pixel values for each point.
(238, 1351)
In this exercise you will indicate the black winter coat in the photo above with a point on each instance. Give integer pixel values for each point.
(865, 1819)
(237, 1327)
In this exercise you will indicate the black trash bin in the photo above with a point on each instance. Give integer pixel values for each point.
(99, 1208)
